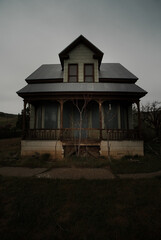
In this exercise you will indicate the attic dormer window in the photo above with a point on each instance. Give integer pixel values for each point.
(73, 73)
(88, 72)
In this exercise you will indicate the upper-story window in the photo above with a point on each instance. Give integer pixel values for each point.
(73, 73)
(89, 72)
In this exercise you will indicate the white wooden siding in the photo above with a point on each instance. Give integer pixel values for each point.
(81, 55)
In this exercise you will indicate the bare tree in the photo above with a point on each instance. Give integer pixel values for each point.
(151, 115)
(107, 121)
(81, 109)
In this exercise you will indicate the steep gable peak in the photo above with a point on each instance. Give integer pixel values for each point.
(98, 54)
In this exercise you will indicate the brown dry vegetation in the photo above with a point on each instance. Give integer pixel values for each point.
(65, 209)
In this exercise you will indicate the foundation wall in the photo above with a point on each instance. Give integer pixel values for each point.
(30, 147)
(118, 149)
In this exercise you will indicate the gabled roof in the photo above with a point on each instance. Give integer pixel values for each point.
(108, 73)
(98, 54)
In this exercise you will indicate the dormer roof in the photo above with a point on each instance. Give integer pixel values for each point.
(98, 54)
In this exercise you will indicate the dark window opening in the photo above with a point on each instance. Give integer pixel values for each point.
(39, 117)
(89, 73)
(73, 73)
(51, 114)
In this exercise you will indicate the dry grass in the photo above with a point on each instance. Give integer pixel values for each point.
(38, 209)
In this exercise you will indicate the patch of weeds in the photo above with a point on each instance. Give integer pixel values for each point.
(136, 164)
(45, 157)
(34, 162)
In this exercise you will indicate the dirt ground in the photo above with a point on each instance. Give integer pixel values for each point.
(71, 173)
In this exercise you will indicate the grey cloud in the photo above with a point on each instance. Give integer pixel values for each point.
(33, 32)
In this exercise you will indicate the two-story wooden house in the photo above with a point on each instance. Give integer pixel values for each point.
(81, 105)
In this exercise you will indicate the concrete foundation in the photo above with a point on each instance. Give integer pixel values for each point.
(118, 149)
(31, 147)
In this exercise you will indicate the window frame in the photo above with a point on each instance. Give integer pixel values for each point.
(87, 75)
(69, 75)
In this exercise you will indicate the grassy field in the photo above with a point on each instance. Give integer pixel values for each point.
(47, 209)
(8, 119)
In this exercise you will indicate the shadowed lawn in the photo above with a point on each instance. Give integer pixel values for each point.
(128, 164)
(7, 119)
(151, 162)
(65, 209)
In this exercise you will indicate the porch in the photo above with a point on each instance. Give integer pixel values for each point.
(99, 126)
(80, 120)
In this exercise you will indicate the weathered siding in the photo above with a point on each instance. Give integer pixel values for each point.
(81, 55)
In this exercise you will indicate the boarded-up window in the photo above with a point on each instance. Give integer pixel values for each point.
(51, 116)
(73, 73)
(88, 72)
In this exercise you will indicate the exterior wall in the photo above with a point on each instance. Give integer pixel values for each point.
(31, 147)
(81, 55)
(119, 149)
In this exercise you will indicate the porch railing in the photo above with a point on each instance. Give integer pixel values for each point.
(71, 134)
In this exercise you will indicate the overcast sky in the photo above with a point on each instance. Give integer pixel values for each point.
(33, 32)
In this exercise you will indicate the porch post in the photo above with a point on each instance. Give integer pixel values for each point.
(139, 117)
(100, 115)
(61, 118)
(24, 118)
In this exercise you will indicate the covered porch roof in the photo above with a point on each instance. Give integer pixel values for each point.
(83, 88)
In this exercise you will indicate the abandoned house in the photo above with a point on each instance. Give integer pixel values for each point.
(81, 105)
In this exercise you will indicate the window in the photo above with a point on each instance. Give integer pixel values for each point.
(73, 73)
(89, 73)
(39, 117)
(51, 113)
